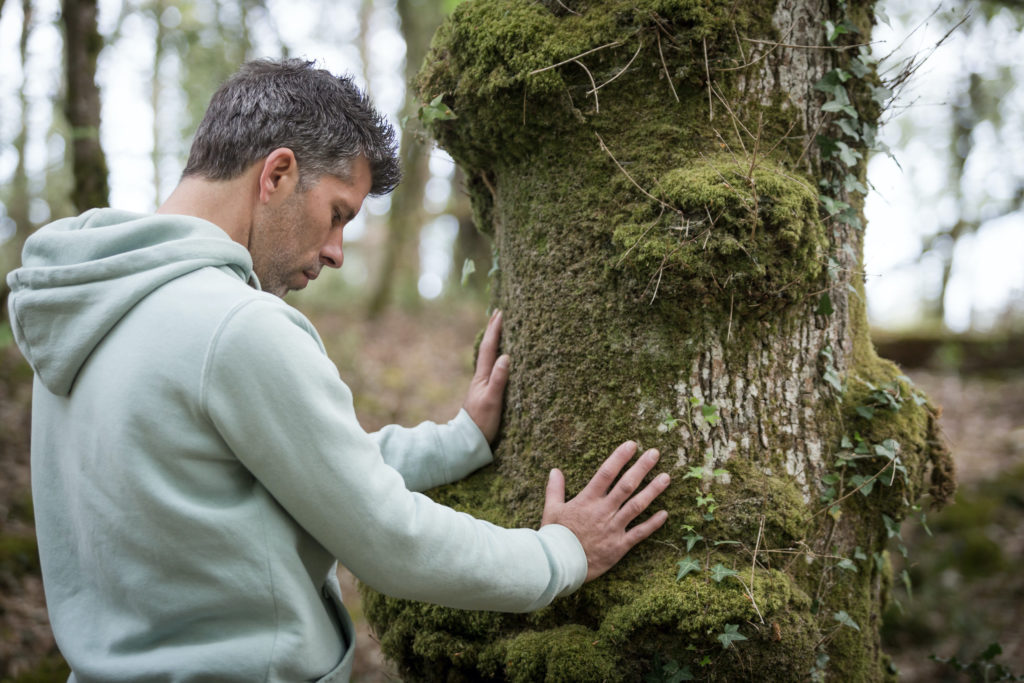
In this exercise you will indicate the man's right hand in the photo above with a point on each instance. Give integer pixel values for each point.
(601, 512)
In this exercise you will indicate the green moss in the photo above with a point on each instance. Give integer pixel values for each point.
(735, 231)
(19, 554)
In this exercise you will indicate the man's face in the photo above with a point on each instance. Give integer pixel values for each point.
(292, 240)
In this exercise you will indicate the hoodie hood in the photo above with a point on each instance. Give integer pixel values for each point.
(81, 275)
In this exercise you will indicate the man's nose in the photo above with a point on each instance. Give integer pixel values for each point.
(331, 254)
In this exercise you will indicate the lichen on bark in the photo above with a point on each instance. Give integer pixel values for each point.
(651, 190)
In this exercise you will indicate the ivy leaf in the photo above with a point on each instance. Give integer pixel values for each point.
(730, 635)
(858, 479)
(468, 268)
(887, 449)
(892, 527)
(825, 305)
(846, 620)
(991, 652)
(848, 127)
(867, 412)
(691, 540)
(859, 68)
(687, 565)
(847, 564)
(880, 94)
(906, 583)
(852, 184)
(827, 145)
(845, 442)
(695, 472)
(720, 572)
(435, 111)
(847, 154)
(832, 377)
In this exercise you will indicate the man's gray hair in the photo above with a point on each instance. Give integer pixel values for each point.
(324, 119)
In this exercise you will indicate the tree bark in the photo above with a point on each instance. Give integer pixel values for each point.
(649, 172)
(82, 45)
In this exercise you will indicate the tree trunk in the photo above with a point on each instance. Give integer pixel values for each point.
(648, 169)
(397, 275)
(82, 45)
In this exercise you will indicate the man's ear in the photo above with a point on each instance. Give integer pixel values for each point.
(279, 176)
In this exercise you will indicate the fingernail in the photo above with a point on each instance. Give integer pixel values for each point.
(662, 479)
(653, 454)
(502, 362)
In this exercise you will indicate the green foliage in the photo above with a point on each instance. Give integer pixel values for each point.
(982, 667)
(436, 110)
(730, 635)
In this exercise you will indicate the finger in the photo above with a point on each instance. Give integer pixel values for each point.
(489, 347)
(645, 528)
(554, 495)
(609, 470)
(638, 503)
(633, 477)
(499, 375)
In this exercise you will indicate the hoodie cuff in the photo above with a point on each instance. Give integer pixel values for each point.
(567, 557)
(471, 450)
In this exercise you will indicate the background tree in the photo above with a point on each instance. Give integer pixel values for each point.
(674, 192)
(396, 276)
(82, 45)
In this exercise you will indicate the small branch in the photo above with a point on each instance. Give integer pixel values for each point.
(487, 182)
(707, 73)
(862, 485)
(597, 105)
(607, 151)
(728, 334)
(568, 9)
(809, 47)
(668, 76)
(622, 71)
(573, 59)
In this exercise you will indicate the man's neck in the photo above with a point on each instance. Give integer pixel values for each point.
(225, 203)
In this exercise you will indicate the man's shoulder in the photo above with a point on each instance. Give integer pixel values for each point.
(209, 299)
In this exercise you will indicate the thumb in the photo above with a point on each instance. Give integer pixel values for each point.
(554, 496)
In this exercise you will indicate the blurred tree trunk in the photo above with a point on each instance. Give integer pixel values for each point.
(399, 269)
(155, 99)
(18, 206)
(82, 45)
(651, 173)
(17, 195)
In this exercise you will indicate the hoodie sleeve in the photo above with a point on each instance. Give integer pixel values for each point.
(430, 455)
(280, 406)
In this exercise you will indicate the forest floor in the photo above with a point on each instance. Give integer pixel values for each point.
(966, 588)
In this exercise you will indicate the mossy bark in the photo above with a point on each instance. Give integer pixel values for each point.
(647, 171)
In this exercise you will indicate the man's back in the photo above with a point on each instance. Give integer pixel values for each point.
(161, 551)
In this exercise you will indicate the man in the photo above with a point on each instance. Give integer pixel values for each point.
(196, 462)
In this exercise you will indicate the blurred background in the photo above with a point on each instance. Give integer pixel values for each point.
(944, 259)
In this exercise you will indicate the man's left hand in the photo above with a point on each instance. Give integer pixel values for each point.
(487, 388)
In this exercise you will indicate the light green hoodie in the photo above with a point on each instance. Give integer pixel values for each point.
(197, 467)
